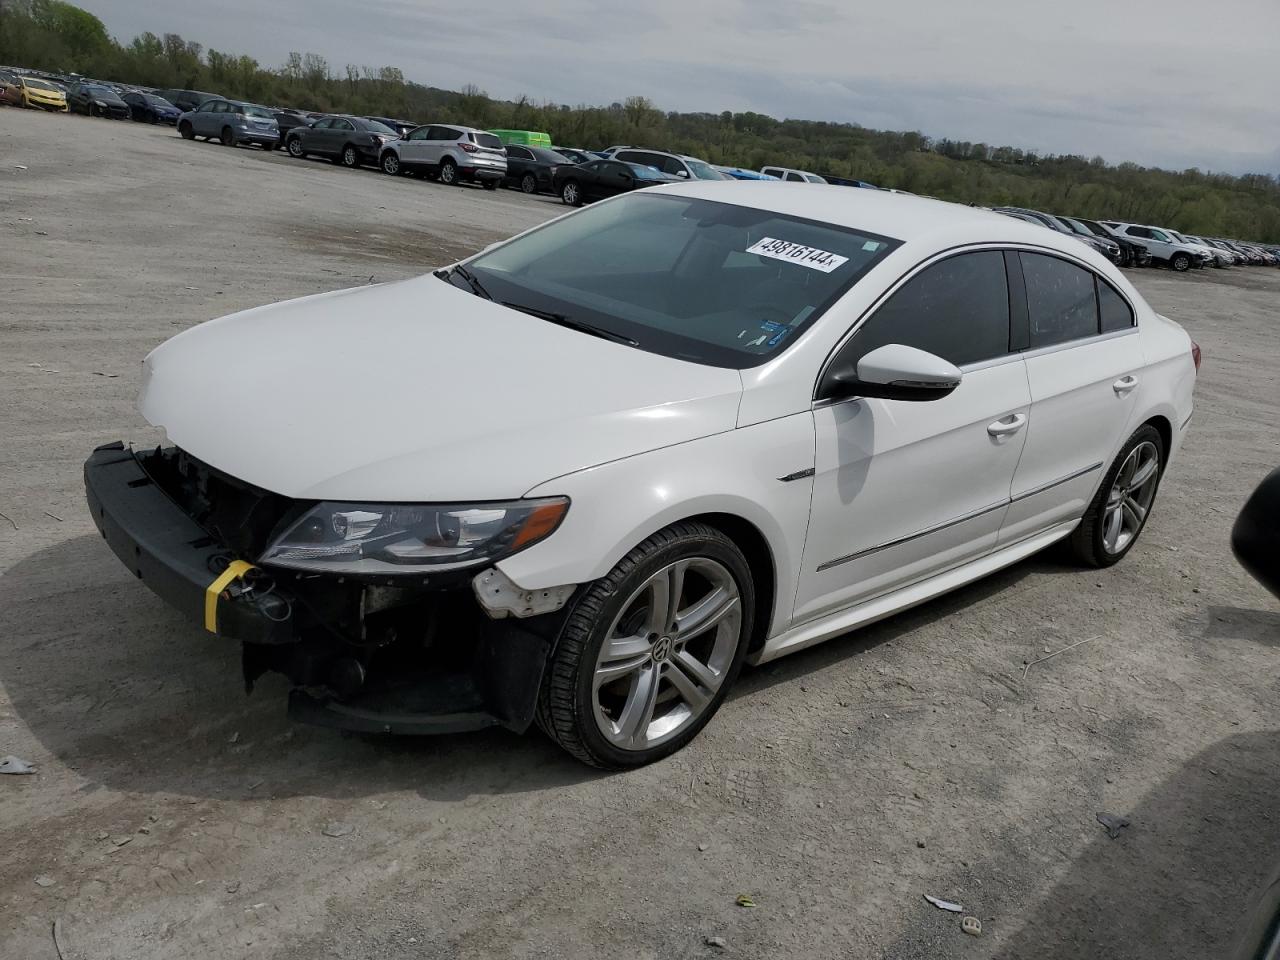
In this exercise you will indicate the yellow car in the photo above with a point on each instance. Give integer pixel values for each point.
(30, 92)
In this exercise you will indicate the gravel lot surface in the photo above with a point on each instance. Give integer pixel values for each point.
(171, 816)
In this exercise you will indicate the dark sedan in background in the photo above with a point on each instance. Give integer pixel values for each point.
(96, 100)
(148, 108)
(186, 100)
(574, 154)
(529, 168)
(401, 127)
(287, 120)
(1131, 254)
(351, 141)
(581, 183)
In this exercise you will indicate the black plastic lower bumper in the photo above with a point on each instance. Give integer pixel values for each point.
(482, 673)
(173, 555)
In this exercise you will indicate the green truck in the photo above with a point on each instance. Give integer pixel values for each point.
(523, 138)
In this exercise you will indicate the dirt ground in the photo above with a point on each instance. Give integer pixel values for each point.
(171, 816)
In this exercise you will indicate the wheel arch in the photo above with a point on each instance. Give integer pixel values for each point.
(751, 540)
(1165, 429)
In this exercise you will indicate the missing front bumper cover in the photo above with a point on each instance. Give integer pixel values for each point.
(500, 596)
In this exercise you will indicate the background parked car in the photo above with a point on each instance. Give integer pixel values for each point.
(351, 141)
(231, 122)
(186, 100)
(149, 108)
(96, 100)
(739, 174)
(401, 127)
(580, 183)
(1162, 247)
(1131, 254)
(1216, 257)
(675, 164)
(452, 153)
(37, 94)
(287, 120)
(529, 168)
(794, 176)
(1108, 248)
(574, 154)
(523, 138)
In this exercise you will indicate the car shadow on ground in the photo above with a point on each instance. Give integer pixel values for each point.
(130, 697)
(122, 690)
(1181, 881)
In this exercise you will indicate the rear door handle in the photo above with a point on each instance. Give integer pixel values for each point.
(1008, 425)
(1124, 385)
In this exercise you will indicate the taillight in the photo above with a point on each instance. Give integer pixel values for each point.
(1195, 354)
(469, 147)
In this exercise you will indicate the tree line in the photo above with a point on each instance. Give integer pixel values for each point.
(56, 36)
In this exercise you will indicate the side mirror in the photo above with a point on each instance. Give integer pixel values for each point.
(894, 372)
(682, 174)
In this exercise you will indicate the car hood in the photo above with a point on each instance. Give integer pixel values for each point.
(418, 391)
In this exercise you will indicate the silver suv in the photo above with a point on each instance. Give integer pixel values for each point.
(1162, 247)
(453, 153)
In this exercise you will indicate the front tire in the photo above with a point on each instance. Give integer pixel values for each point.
(294, 147)
(1180, 262)
(391, 164)
(650, 651)
(1122, 506)
(529, 183)
(184, 128)
(571, 194)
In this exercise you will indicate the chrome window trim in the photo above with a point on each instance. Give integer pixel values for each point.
(1078, 342)
(994, 245)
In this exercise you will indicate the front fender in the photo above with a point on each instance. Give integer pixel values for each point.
(617, 505)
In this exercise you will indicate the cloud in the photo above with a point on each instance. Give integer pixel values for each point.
(1186, 86)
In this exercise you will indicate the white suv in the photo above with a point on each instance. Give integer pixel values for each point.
(1162, 247)
(452, 153)
(707, 424)
(795, 176)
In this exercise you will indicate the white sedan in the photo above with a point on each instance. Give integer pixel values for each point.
(582, 477)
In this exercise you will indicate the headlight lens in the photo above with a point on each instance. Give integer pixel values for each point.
(365, 538)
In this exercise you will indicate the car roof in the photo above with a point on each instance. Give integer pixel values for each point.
(911, 219)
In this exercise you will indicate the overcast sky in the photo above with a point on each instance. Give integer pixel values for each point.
(1175, 83)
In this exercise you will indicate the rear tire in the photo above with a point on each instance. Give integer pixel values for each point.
(184, 128)
(1112, 524)
(489, 184)
(449, 173)
(228, 137)
(593, 699)
(1180, 262)
(350, 157)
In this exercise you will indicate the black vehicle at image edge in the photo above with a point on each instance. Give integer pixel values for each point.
(530, 168)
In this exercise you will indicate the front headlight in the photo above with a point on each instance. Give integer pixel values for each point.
(100, 103)
(368, 538)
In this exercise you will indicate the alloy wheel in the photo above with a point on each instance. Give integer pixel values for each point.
(349, 157)
(295, 147)
(1130, 498)
(448, 173)
(570, 195)
(528, 184)
(667, 653)
(391, 164)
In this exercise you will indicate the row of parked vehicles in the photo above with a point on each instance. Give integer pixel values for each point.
(527, 160)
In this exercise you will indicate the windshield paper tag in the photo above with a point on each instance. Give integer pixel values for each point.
(798, 253)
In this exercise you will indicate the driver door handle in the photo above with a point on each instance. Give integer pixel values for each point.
(1124, 385)
(1008, 425)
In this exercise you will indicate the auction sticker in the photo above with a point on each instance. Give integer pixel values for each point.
(798, 253)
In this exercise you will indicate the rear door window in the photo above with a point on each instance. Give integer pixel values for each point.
(1114, 310)
(957, 309)
(795, 178)
(1061, 300)
(519, 153)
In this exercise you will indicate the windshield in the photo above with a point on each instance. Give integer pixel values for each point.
(704, 171)
(643, 172)
(40, 85)
(709, 282)
(157, 101)
(98, 90)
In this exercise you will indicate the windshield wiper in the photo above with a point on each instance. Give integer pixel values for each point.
(476, 286)
(565, 321)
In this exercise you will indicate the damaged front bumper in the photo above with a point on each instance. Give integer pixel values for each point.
(378, 654)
